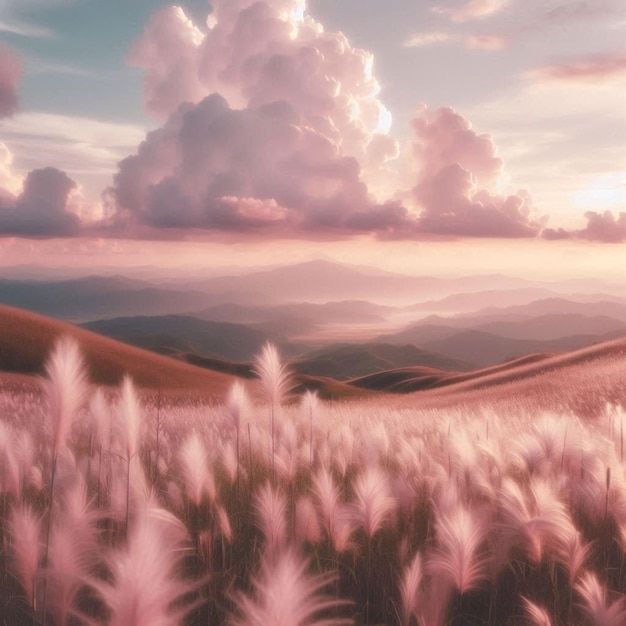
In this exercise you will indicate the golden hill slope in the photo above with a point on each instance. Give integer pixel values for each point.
(26, 339)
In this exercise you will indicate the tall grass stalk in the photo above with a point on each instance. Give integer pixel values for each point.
(66, 390)
(276, 382)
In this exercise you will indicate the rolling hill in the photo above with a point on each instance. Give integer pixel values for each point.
(224, 340)
(27, 339)
(344, 361)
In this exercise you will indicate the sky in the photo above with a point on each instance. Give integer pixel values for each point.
(335, 124)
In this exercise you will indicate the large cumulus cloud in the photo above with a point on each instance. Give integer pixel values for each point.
(457, 172)
(212, 166)
(258, 52)
(294, 136)
(269, 122)
(10, 73)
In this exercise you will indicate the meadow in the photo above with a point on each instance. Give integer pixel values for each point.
(128, 508)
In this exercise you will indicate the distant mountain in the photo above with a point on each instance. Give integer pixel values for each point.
(321, 281)
(492, 335)
(96, 297)
(615, 308)
(476, 300)
(293, 320)
(481, 349)
(555, 326)
(234, 342)
(343, 361)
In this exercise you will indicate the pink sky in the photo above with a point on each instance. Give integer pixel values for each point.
(269, 126)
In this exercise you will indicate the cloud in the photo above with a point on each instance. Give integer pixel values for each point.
(444, 137)
(555, 234)
(471, 42)
(486, 42)
(604, 227)
(271, 123)
(214, 167)
(453, 205)
(168, 50)
(473, 10)
(24, 29)
(10, 74)
(423, 40)
(10, 183)
(257, 53)
(42, 208)
(590, 69)
(455, 169)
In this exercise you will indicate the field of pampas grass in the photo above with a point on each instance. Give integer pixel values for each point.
(297, 512)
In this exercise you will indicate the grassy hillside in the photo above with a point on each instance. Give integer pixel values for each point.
(27, 339)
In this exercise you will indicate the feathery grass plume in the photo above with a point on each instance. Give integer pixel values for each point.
(409, 589)
(101, 422)
(223, 523)
(65, 386)
(374, 504)
(197, 477)
(287, 596)
(145, 587)
(129, 411)
(25, 532)
(276, 382)
(238, 405)
(457, 557)
(10, 482)
(552, 522)
(541, 519)
(307, 525)
(596, 604)
(73, 547)
(327, 495)
(271, 510)
(343, 526)
(310, 403)
(572, 554)
(537, 615)
(275, 376)
(66, 390)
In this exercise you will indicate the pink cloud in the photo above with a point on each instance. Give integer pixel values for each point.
(41, 209)
(423, 40)
(10, 74)
(257, 53)
(168, 50)
(214, 167)
(444, 137)
(453, 206)
(455, 168)
(474, 10)
(595, 68)
(486, 42)
(604, 227)
(471, 42)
